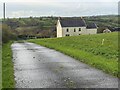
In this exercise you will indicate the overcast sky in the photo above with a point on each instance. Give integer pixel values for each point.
(23, 8)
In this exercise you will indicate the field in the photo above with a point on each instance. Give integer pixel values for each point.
(107, 20)
(7, 67)
(88, 49)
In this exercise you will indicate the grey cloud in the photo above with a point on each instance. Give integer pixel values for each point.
(60, 9)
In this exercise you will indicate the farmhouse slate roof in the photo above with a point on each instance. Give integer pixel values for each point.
(91, 25)
(72, 22)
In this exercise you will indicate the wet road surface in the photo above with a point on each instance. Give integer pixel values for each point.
(36, 66)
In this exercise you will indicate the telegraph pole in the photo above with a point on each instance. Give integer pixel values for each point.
(4, 11)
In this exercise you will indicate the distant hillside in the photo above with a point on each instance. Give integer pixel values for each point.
(109, 21)
(45, 26)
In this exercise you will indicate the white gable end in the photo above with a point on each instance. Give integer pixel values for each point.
(59, 29)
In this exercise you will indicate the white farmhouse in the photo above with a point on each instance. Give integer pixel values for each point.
(74, 27)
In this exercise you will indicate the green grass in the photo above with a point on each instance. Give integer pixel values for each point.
(0, 66)
(25, 28)
(7, 67)
(88, 49)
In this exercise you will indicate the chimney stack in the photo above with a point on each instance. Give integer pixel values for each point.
(59, 18)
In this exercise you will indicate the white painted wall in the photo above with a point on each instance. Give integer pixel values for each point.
(71, 31)
(59, 29)
(92, 31)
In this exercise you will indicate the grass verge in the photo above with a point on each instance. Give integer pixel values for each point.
(7, 66)
(88, 49)
(0, 66)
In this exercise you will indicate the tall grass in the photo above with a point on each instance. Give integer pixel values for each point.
(0, 66)
(7, 66)
(88, 49)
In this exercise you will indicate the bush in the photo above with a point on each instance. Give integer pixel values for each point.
(7, 34)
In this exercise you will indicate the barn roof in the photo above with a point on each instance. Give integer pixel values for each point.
(72, 22)
(91, 25)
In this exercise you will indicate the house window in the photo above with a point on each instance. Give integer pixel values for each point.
(67, 35)
(79, 29)
(74, 30)
(67, 30)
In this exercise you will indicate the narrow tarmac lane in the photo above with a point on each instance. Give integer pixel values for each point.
(39, 67)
